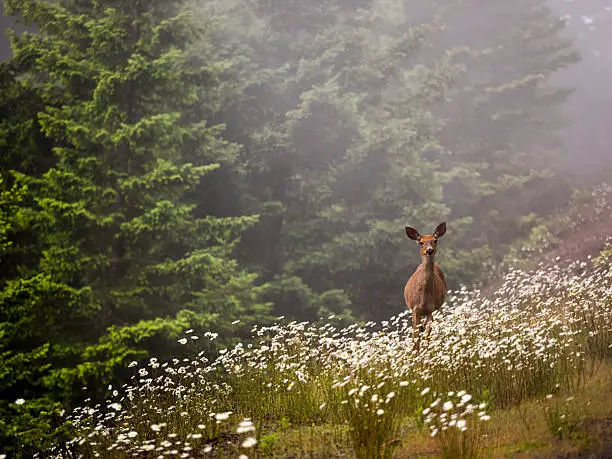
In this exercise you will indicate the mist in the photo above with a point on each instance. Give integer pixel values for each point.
(185, 175)
(400, 112)
(586, 137)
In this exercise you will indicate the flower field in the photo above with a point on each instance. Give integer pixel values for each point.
(363, 388)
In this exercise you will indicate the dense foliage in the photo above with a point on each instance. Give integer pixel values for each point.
(357, 118)
(172, 165)
(103, 258)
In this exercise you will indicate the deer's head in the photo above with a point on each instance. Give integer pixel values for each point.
(427, 242)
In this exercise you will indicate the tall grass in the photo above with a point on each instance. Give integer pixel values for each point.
(540, 331)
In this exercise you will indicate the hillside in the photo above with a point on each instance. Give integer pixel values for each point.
(588, 227)
(202, 212)
(577, 233)
(523, 373)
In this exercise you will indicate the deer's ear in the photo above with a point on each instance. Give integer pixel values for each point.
(440, 230)
(412, 233)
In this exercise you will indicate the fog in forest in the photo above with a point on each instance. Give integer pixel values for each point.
(586, 138)
(349, 119)
(589, 24)
(214, 165)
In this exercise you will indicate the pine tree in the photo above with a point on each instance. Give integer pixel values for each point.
(360, 122)
(503, 120)
(384, 177)
(122, 265)
(260, 90)
(334, 155)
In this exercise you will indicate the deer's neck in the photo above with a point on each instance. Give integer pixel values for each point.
(428, 270)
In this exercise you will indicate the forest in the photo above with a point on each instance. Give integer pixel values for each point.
(173, 165)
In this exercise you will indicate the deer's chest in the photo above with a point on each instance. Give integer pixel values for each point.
(423, 296)
(424, 301)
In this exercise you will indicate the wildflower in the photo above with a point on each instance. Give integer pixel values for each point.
(207, 449)
(19, 401)
(461, 424)
(183, 340)
(223, 416)
(447, 406)
(425, 391)
(380, 412)
(249, 442)
(245, 426)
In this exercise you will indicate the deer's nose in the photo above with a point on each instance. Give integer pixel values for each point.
(429, 250)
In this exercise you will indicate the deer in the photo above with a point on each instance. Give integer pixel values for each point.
(425, 291)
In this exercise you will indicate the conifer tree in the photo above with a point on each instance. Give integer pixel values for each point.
(376, 115)
(121, 264)
(504, 117)
(335, 156)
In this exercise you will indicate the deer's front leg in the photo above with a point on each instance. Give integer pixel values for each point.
(428, 326)
(416, 325)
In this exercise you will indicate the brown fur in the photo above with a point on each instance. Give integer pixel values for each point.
(425, 291)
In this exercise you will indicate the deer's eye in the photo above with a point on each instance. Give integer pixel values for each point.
(421, 243)
(435, 241)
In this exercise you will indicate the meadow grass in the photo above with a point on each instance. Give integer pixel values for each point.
(321, 390)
